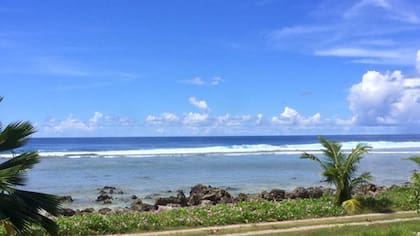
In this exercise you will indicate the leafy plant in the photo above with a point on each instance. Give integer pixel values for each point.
(20, 209)
(352, 206)
(416, 184)
(340, 169)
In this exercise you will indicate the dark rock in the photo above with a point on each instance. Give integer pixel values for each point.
(133, 197)
(315, 192)
(273, 195)
(300, 192)
(290, 195)
(87, 210)
(201, 192)
(242, 197)
(103, 197)
(65, 199)
(107, 201)
(104, 211)
(328, 191)
(109, 188)
(180, 199)
(277, 194)
(365, 189)
(147, 207)
(114, 191)
(67, 212)
(138, 205)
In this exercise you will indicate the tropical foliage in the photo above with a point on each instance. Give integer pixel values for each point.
(416, 184)
(340, 169)
(20, 209)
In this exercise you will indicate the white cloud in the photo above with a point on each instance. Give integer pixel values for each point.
(192, 119)
(194, 81)
(200, 104)
(297, 30)
(291, 117)
(259, 119)
(358, 52)
(229, 120)
(366, 31)
(385, 99)
(162, 119)
(215, 81)
(418, 61)
(72, 124)
(198, 81)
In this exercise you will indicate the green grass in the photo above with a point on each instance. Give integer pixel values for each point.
(390, 229)
(243, 212)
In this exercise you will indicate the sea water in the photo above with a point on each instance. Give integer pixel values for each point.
(152, 166)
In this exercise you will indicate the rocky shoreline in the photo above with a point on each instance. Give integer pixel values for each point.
(200, 195)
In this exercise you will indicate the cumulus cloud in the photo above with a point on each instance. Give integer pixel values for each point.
(164, 118)
(229, 120)
(200, 104)
(72, 123)
(290, 116)
(418, 62)
(385, 99)
(191, 118)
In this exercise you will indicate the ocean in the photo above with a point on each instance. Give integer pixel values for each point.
(158, 166)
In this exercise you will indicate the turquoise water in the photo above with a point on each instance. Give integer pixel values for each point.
(146, 166)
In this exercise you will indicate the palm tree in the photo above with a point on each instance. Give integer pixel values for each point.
(340, 168)
(20, 209)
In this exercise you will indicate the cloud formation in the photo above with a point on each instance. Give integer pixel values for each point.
(350, 30)
(72, 123)
(198, 81)
(200, 104)
(418, 62)
(385, 99)
(290, 116)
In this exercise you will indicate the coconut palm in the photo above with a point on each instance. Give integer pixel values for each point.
(20, 209)
(340, 169)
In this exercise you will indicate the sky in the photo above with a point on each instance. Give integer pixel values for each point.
(192, 68)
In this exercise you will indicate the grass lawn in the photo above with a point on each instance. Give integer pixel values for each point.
(411, 228)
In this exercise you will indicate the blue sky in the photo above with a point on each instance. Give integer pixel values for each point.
(249, 67)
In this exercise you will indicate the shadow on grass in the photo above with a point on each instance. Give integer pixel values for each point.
(381, 205)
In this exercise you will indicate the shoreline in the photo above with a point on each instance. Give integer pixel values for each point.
(111, 199)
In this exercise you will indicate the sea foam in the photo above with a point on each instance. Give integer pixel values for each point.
(383, 147)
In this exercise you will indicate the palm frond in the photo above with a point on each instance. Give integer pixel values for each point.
(23, 208)
(362, 179)
(356, 154)
(416, 159)
(15, 135)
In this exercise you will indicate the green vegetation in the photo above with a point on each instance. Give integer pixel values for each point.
(416, 184)
(20, 209)
(390, 229)
(395, 199)
(339, 169)
(242, 212)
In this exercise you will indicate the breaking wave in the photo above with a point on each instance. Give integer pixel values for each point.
(233, 150)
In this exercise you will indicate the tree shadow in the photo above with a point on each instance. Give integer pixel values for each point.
(381, 205)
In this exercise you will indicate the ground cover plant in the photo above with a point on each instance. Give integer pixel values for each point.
(255, 211)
